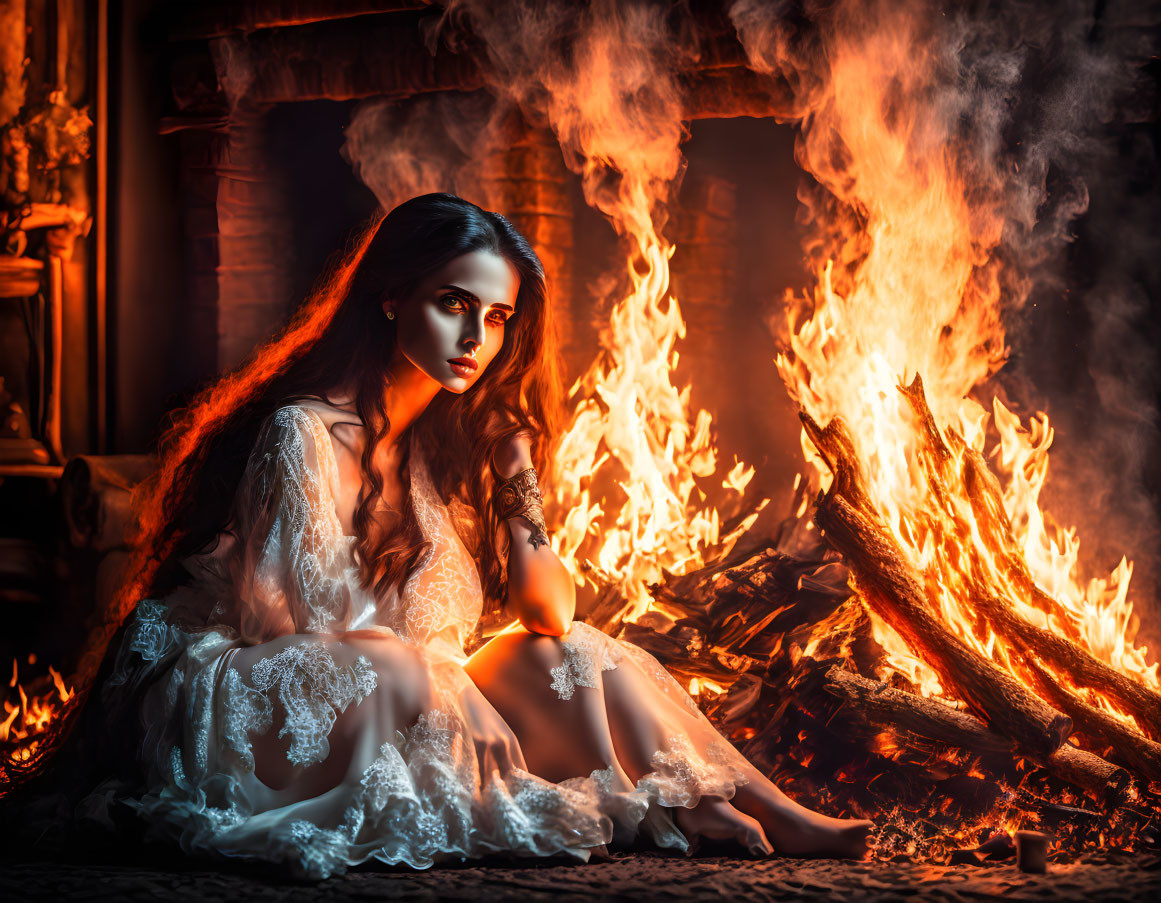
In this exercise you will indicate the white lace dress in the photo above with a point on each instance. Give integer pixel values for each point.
(413, 792)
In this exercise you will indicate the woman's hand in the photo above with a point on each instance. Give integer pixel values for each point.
(496, 746)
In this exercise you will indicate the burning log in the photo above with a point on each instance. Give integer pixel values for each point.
(754, 613)
(885, 707)
(894, 591)
(1082, 666)
(983, 490)
(1140, 753)
(1061, 652)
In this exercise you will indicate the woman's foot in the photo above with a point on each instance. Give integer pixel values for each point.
(839, 838)
(810, 834)
(797, 831)
(715, 819)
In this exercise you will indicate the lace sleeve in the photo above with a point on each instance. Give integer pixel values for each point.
(299, 566)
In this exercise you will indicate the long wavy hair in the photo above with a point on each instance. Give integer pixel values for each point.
(520, 391)
(341, 339)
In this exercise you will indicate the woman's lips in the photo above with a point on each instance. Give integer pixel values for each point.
(463, 366)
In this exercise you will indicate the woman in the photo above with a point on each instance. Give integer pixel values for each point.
(299, 669)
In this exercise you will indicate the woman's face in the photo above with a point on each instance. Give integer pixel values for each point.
(453, 326)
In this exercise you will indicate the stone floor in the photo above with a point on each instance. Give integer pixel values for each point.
(636, 878)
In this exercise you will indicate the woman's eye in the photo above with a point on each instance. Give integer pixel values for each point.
(452, 302)
(497, 318)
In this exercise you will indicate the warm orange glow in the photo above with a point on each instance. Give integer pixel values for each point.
(28, 715)
(635, 451)
(911, 289)
(198, 422)
(637, 459)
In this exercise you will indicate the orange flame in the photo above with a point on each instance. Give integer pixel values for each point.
(911, 287)
(634, 452)
(28, 719)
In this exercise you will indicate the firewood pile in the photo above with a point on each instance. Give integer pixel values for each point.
(776, 642)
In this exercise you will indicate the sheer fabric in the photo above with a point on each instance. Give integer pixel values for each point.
(281, 584)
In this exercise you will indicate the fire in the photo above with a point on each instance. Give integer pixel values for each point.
(636, 462)
(635, 451)
(909, 285)
(28, 716)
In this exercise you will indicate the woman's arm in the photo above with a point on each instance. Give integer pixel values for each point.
(541, 593)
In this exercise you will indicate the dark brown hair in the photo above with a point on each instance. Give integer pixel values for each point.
(341, 339)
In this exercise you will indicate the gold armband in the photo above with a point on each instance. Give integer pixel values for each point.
(519, 496)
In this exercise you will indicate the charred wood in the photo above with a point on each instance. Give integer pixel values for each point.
(983, 490)
(899, 711)
(1061, 652)
(754, 603)
(1138, 752)
(1082, 667)
(895, 592)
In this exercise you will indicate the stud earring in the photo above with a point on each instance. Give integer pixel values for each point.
(390, 315)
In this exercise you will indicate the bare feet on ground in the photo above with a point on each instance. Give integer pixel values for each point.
(808, 833)
(795, 830)
(715, 819)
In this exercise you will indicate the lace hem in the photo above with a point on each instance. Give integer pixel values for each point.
(416, 804)
(679, 776)
(419, 802)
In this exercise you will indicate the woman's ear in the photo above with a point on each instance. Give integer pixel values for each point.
(389, 309)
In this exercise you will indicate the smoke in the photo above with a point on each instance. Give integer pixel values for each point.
(434, 142)
(1085, 348)
(234, 67)
(1044, 110)
(604, 77)
(1049, 113)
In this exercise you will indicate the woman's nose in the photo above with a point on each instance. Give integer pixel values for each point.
(473, 335)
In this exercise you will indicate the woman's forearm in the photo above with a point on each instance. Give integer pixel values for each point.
(541, 592)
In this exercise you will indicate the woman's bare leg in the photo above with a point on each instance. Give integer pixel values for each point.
(792, 829)
(560, 738)
(563, 738)
(637, 737)
(796, 830)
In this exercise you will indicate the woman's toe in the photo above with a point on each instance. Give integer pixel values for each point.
(757, 844)
(856, 838)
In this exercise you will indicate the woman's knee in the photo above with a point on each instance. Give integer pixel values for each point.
(401, 681)
(400, 672)
(516, 654)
